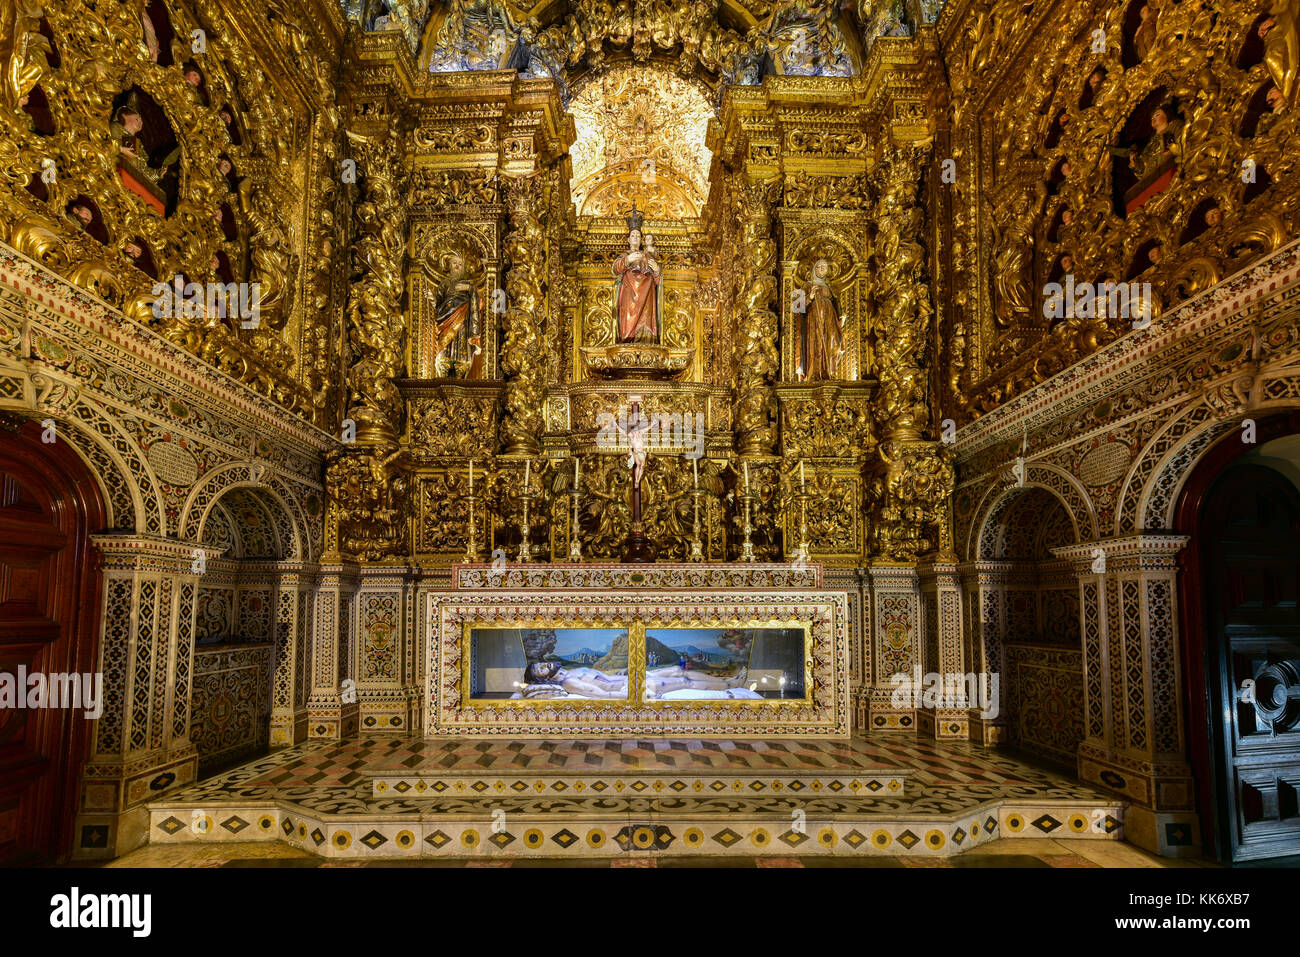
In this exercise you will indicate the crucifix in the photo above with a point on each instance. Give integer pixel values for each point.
(638, 547)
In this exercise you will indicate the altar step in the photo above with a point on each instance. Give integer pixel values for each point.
(685, 785)
(568, 828)
(342, 800)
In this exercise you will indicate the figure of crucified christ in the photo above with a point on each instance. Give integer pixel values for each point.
(635, 432)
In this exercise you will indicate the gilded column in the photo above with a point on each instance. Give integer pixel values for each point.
(375, 322)
(521, 354)
(755, 392)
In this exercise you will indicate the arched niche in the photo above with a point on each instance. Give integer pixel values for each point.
(140, 255)
(244, 536)
(37, 107)
(148, 159)
(802, 318)
(444, 313)
(85, 215)
(1143, 163)
(1030, 613)
(157, 32)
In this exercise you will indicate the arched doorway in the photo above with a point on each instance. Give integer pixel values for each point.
(1240, 586)
(1030, 610)
(246, 533)
(49, 606)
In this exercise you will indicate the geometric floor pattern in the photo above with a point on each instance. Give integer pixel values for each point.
(321, 798)
(1021, 853)
(687, 769)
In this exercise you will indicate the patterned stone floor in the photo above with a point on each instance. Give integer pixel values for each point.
(942, 778)
(320, 797)
(625, 755)
(1026, 852)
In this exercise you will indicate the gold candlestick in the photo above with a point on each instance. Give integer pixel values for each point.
(472, 554)
(575, 545)
(697, 547)
(801, 551)
(747, 546)
(525, 548)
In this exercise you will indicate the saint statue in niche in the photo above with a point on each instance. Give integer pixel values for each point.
(636, 288)
(821, 340)
(458, 331)
(1144, 38)
(1151, 157)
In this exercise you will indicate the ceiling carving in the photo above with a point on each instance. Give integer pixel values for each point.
(719, 42)
(640, 135)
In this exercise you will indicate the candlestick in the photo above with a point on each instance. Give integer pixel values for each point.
(746, 478)
(471, 476)
(697, 547)
(575, 544)
(695, 470)
(527, 471)
(801, 550)
(576, 462)
(801, 481)
(525, 546)
(747, 546)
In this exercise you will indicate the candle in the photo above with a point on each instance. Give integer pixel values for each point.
(695, 469)
(746, 478)
(576, 462)
(527, 472)
(801, 482)
(471, 476)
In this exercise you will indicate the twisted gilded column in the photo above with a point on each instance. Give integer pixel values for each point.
(755, 392)
(375, 321)
(911, 484)
(521, 353)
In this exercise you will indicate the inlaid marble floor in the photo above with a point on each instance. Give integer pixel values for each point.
(1028, 852)
(881, 795)
(335, 778)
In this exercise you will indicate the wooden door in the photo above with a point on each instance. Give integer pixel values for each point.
(1250, 523)
(47, 604)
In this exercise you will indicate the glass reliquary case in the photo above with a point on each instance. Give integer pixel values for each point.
(636, 663)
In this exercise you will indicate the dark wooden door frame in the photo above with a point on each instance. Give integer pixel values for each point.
(58, 477)
(1191, 608)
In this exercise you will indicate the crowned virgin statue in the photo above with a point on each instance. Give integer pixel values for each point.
(636, 290)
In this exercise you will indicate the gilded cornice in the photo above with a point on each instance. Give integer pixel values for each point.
(104, 332)
(1195, 327)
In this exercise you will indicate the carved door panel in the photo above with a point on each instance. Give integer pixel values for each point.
(49, 600)
(1252, 522)
(29, 629)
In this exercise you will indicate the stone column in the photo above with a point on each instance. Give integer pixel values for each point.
(985, 586)
(943, 647)
(387, 690)
(894, 602)
(1132, 676)
(291, 664)
(332, 707)
(141, 748)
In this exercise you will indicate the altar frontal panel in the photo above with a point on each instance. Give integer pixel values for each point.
(618, 663)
